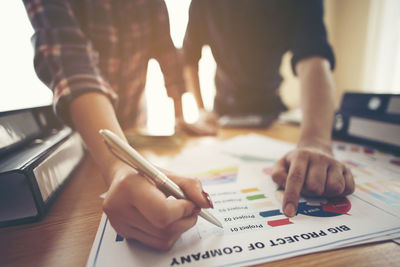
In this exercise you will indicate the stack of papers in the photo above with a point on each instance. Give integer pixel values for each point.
(236, 173)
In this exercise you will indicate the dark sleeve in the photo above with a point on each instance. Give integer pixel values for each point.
(64, 58)
(165, 52)
(195, 34)
(310, 37)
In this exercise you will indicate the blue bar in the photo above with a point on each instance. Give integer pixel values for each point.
(119, 238)
(382, 198)
(393, 195)
(270, 213)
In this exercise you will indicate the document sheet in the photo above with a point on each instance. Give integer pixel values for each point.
(236, 174)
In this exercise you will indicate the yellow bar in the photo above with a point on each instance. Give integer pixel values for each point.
(248, 190)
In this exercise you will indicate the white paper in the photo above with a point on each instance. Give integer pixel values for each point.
(248, 204)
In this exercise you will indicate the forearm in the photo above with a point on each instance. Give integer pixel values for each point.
(311, 169)
(192, 82)
(317, 101)
(178, 107)
(91, 112)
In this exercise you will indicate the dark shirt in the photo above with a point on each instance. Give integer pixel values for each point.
(248, 40)
(102, 46)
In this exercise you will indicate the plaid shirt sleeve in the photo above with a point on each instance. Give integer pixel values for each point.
(64, 58)
(165, 52)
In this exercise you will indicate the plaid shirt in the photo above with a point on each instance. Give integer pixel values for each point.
(102, 46)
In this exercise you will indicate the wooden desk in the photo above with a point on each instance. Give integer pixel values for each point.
(64, 237)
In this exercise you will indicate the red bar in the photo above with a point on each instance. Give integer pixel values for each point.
(279, 222)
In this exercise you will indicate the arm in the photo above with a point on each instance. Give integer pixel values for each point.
(167, 55)
(136, 208)
(191, 53)
(66, 62)
(311, 169)
(164, 51)
(191, 75)
(317, 97)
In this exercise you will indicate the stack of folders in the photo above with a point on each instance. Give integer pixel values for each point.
(372, 119)
(37, 155)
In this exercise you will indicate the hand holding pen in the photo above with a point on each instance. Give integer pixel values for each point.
(138, 209)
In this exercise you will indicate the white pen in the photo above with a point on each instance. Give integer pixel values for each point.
(128, 154)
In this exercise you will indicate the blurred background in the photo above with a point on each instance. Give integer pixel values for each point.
(365, 35)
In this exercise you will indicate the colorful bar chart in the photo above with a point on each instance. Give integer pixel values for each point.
(218, 176)
(357, 166)
(384, 191)
(377, 196)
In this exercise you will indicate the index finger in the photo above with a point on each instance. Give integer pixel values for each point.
(294, 184)
(194, 191)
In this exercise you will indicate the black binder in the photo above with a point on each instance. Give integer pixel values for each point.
(19, 127)
(372, 119)
(31, 177)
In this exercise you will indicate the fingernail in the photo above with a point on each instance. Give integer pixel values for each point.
(290, 210)
(196, 211)
(207, 196)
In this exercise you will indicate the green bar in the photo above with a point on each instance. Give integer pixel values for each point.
(256, 197)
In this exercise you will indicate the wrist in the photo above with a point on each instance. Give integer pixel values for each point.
(323, 144)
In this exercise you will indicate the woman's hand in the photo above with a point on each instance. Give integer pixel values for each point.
(311, 171)
(138, 209)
